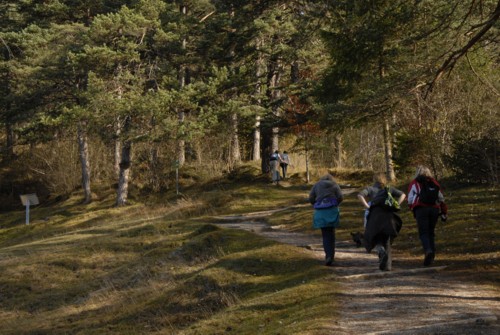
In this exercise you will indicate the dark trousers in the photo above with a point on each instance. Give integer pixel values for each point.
(328, 234)
(426, 220)
(284, 167)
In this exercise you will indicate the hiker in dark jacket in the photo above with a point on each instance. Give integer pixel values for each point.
(427, 203)
(382, 224)
(325, 196)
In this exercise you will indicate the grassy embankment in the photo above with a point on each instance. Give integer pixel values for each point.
(163, 268)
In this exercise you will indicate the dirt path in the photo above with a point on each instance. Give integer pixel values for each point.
(405, 300)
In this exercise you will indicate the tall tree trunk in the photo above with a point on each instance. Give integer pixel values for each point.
(389, 164)
(181, 143)
(125, 164)
(339, 145)
(276, 138)
(266, 149)
(154, 178)
(235, 142)
(270, 138)
(118, 132)
(274, 78)
(259, 69)
(83, 149)
(10, 140)
(118, 146)
(256, 139)
(306, 151)
(235, 155)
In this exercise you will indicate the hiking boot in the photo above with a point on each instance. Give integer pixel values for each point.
(429, 258)
(382, 259)
(329, 261)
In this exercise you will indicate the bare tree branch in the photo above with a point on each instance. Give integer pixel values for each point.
(484, 81)
(451, 61)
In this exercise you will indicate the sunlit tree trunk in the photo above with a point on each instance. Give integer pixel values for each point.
(118, 133)
(118, 146)
(181, 143)
(339, 147)
(258, 92)
(389, 164)
(256, 139)
(235, 142)
(306, 151)
(83, 149)
(125, 164)
(154, 178)
(274, 78)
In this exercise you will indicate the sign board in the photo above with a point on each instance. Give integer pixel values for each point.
(29, 199)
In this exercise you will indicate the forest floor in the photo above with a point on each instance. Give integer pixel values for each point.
(410, 299)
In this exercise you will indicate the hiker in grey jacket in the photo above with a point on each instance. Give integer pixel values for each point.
(285, 161)
(325, 196)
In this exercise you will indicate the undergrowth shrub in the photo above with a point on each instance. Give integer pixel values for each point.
(476, 160)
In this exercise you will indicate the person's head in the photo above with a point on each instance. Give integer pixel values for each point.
(423, 171)
(285, 152)
(380, 178)
(327, 177)
(277, 152)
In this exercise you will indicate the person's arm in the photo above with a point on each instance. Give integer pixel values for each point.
(440, 197)
(412, 194)
(443, 208)
(363, 201)
(398, 194)
(401, 198)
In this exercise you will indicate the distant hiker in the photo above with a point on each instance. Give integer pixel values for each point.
(325, 196)
(427, 203)
(285, 161)
(274, 163)
(382, 224)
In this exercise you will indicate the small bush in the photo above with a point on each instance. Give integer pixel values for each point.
(476, 160)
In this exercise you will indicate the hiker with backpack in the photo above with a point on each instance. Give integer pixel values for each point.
(426, 201)
(326, 196)
(382, 224)
(274, 165)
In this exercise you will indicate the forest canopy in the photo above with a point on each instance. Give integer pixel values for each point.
(92, 91)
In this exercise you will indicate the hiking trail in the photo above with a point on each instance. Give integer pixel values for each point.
(406, 300)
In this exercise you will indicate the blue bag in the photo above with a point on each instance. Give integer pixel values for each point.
(327, 202)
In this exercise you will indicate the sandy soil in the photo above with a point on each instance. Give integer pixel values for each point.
(406, 300)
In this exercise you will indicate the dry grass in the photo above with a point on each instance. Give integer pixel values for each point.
(158, 268)
(161, 267)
